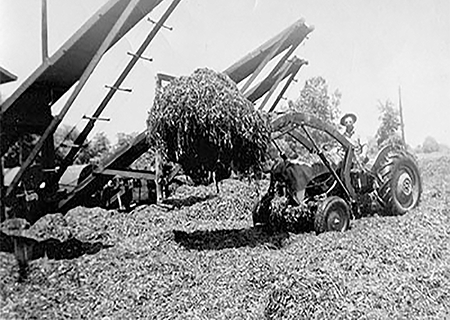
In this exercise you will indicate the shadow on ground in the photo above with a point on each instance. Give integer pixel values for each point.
(52, 248)
(188, 201)
(235, 238)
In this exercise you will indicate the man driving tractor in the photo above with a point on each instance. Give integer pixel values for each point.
(328, 193)
(348, 121)
(296, 175)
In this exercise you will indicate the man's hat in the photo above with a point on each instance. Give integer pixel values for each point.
(351, 115)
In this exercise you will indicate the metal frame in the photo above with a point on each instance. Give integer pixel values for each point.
(296, 65)
(251, 65)
(290, 122)
(273, 80)
(130, 12)
(125, 13)
(5, 77)
(68, 160)
(298, 118)
(83, 80)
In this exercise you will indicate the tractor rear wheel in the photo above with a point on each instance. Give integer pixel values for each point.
(400, 184)
(333, 214)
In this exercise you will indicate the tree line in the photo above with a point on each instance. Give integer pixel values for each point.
(317, 99)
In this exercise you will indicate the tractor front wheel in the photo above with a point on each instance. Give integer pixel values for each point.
(333, 214)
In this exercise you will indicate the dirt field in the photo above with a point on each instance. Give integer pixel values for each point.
(201, 259)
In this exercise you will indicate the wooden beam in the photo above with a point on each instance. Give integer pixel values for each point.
(284, 70)
(122, 158)
(294, 72)
(257, 91)
(272, 53)
(134, 174)
(68, 159)
(245, 66)
(44, 33)
(83, 79)
(2, 198)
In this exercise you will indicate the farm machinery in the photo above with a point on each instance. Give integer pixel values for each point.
(41, 185)
(332, 192)
(328, 195)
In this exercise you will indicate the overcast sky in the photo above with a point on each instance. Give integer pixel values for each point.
(365, 49)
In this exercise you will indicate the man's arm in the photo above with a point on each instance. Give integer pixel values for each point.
(363, 145)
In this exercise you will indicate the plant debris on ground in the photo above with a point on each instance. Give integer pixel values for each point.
(198, 257)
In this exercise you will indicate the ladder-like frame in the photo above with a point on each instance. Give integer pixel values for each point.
(287, 68)
(123, 14)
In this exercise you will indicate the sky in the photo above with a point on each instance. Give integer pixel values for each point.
(366, 49)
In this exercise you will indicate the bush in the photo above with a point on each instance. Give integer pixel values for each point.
(430, 145)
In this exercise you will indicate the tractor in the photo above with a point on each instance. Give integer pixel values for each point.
(329, 193)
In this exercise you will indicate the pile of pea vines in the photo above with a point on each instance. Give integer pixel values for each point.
(204, 123)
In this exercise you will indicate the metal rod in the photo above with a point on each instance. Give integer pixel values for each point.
(265, 61)
(44, 33)
(286, 86)
(83, 79)
(284, 70)
(136, 174)
(117, 88)
(283, 60)
(327, 163)
(282, 133)
(278, 147)
(402, 124)
(96, 118)
(140, 57)
(90, 125)
(71, 145)
(302, 140)
(2, 185)
(154, 22)
(257, 91)
(122, 158)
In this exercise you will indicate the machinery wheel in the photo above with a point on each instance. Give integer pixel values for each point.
(400, 185)
(333, 214)
(261, 211)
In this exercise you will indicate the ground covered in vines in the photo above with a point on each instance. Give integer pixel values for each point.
(198, 257)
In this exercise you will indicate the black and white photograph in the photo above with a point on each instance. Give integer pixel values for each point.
(212, 159)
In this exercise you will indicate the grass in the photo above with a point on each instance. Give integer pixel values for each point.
(203, 260)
